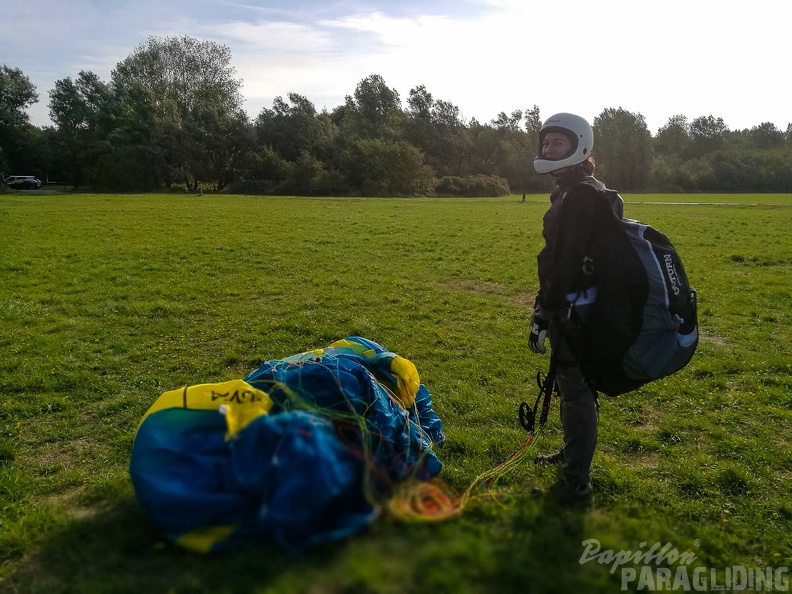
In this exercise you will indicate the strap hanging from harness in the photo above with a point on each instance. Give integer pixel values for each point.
(548, 383)
(547, 386)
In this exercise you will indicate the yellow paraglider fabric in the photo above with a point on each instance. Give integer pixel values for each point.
(212, 397)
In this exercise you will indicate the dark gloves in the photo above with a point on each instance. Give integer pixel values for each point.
(539, 325)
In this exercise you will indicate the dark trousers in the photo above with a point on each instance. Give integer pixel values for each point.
(579, 415)
(579, 422)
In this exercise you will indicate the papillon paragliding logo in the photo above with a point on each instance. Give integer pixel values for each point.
(662, 567)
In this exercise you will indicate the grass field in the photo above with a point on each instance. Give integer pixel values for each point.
(106, 301)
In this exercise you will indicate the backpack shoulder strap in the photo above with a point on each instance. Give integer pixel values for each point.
(614, 200)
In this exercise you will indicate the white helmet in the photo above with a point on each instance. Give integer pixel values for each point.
(580, 134)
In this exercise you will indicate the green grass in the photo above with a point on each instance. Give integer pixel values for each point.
(106, 301)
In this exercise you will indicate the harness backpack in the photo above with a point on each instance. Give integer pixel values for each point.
(643, 325)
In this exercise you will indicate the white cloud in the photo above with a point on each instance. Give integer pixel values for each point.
(694, 58)
(277, 38)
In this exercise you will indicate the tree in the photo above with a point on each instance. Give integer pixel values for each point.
(674, 138)
(508, 123)
(528, 179)
(448, 148)
(420, 103)
(17, 93)
(291, 128)
(374, 109)
(515, 162)
(216, 144)
(139, 142)
(707, 133)
(80, 104)
(766, 136)
(484, 149)
(622, 146)
(533, 121)
(167, 85)
(386, 168)
(83, 112)
(183, 73)
(445, 113)
(435, 127)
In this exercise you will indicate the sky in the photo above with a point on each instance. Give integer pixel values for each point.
(657, 59)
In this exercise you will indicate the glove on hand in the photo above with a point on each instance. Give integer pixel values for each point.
(536, 341)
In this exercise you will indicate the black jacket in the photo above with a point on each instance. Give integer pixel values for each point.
(577, 210)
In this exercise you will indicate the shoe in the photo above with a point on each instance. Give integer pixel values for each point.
(549, 459)
(565, 493)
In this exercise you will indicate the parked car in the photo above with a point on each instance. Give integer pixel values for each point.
(22, 182)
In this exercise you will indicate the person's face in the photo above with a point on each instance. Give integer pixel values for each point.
(556, 146)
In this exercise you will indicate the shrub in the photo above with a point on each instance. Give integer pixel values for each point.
(473, 185)
(256, 187)
(386, 168)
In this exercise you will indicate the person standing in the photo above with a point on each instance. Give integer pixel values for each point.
(567, 292)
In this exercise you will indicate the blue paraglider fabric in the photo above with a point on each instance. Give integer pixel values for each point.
(323, 443)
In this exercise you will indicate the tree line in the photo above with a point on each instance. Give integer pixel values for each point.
(171, 117)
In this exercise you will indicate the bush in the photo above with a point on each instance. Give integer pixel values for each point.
(450, 185)
(256, 187)
(377, 167)
(473, 185)
(311, 177)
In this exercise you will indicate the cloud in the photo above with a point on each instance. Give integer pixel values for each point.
(485, 56)
(335, 54)
(275, 39)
